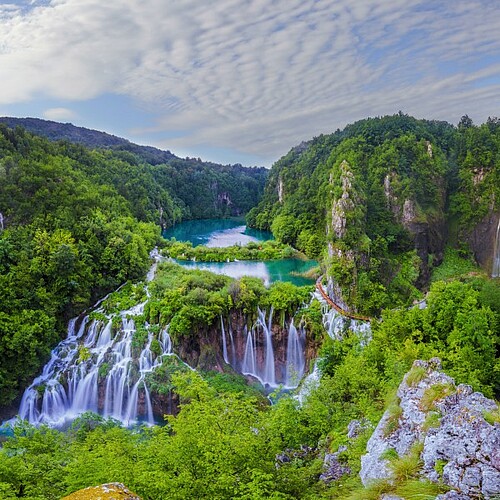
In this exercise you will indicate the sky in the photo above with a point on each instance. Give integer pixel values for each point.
(243, 81)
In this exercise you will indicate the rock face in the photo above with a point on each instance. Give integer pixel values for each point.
(483, 240)
(344, 203)
(110, 491)
(333, 468)
(460, 448)
(428, 232)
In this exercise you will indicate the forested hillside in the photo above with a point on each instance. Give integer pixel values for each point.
(393, 208)
(76, 223)
(199, 189)
(380, 199)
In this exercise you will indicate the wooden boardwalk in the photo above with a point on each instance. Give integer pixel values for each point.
(339, 309)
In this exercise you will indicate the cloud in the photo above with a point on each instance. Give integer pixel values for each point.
(59, 114)
(253, 75)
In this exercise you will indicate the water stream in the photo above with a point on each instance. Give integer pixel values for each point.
(495, 271)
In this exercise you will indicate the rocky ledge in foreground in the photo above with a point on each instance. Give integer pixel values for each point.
(456, 429)
(110, 491)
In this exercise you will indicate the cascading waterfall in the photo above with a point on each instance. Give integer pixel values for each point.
(495, 270)
(295, 359)
(337, 324)
(95, 369)
(224, 342)
(90, 362)
(257, 355)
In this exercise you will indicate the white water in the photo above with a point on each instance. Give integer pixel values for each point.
(495, 270)
(337, 325)
(295, 358)
(95, 370)
(310, 383)
(259, 359)
(92, 361)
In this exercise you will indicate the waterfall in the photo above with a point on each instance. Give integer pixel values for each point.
(337, 325)
(495, 270)
(295, 359)
(264, 371)
(249, 365)
(95, 369)
(259, 359)
(269, 375)
(224, 343)
(310, 383)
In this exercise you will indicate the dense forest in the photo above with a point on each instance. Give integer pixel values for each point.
(76, 223)
(395, 209)
(385, 196)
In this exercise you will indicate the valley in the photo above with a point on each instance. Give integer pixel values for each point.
(152, 336)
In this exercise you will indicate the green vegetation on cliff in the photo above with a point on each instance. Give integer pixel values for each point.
(377, 200)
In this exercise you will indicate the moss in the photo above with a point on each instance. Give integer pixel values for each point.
(415, 375)
(104, 492)
(83, 354)
(433, 394)
(439, 466)
(395, 411)
(104, 369)
(390, 454)
(431, 421)
(492, 417)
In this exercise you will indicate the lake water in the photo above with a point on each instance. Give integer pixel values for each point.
(216, 232)
(227, 232)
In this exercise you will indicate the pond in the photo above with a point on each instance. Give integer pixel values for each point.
(228, 232)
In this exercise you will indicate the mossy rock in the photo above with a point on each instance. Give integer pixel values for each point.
(110, 491)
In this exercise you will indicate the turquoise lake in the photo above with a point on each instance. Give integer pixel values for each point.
(228, 232)
(216, 232)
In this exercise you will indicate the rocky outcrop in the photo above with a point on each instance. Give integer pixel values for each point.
(333, 468)
(460, 448)
(343, 204)
(109, 491)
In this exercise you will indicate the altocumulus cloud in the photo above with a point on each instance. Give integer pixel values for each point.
(254, 75)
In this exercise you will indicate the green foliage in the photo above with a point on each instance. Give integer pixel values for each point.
(454, 266)
(415, 375)
(234, 383)
(394, 412)
(439, 466)
(83, 354)
(408, 466)
(435, 393)
(266, 250)
(431, 421)
(285, 297)
(372, 185)
(492, 417)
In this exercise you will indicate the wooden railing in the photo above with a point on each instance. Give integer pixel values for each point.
(339, 309)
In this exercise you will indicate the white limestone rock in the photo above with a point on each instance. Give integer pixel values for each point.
(463, 451)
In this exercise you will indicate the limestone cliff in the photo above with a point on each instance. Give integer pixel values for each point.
(456, 428)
